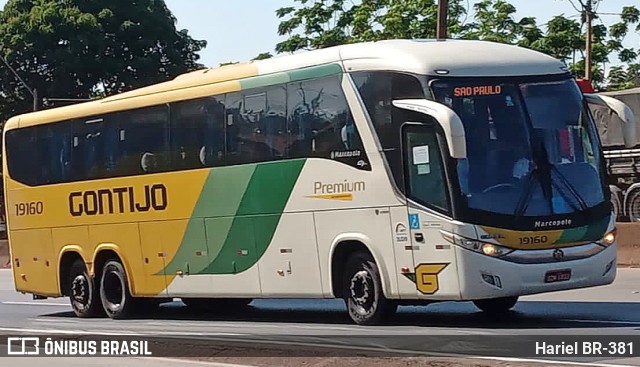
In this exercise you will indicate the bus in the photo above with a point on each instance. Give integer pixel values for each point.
(389, 173)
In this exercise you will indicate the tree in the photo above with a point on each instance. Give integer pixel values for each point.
(82, 49)
(494, 21)
(327, 23)
(263, 56)
(333, 22)
(619, 77)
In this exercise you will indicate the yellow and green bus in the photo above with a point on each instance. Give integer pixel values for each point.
(386, 173)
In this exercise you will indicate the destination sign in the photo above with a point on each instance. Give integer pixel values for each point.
(479, 90)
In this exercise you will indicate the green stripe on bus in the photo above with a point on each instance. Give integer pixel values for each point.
(257, 217)
(235, 217)
(290, 76)
(315, 72)
(220, 197)
(591, 232)
(264, 81)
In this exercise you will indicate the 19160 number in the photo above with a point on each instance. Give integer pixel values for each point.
(31, 208)
(533, 240)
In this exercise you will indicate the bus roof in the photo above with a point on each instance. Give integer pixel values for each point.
(466, 58)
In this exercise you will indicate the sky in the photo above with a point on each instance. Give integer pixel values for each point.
(238, 30)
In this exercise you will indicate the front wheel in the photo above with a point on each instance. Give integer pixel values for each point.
(363, 292)
(496, 305)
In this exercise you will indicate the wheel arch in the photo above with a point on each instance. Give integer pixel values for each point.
(109, 251)
(67, 256)
(341, 248)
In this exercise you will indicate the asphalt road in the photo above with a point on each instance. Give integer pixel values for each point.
(610, 310)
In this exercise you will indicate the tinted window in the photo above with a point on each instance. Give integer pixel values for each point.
(22, 156)
(377, 91)
(94, 148)
(144, 141)
(256, 125)
(296, 120)
(321, 124)
(197, 133)
(425, 171)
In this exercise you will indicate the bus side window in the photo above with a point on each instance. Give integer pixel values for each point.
(274, 122)
(320, 122)
(144, 141)
(87, 148)
(212, 152)
(21, 155)
(197, 133)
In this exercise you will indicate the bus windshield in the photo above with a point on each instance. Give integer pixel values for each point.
(532, 149)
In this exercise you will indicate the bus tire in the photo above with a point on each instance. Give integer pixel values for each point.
(616, 205)
(83, 292)
(117, 301)
(496, 305)
(633, 206)
(363, 294)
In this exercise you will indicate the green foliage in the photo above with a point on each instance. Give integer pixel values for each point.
(82, 49)
(263, 56)
(325, 23)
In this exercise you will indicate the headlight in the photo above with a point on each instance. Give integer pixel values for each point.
(609, 238)
(488, 249)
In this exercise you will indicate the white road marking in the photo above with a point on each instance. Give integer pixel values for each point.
(35, 303)
(200, 363)
(604, 321)
(59, 321)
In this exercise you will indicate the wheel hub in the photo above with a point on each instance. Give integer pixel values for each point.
(80, 290)
(360, 289)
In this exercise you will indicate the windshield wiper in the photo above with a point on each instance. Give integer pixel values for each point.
(526, 195)
(572, 190)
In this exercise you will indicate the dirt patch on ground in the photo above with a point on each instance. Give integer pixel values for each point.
(291, 355)
(372, 362)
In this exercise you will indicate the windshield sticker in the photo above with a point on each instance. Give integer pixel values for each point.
(480, 90)
(421, 155)
(424, 169)
(414, 221)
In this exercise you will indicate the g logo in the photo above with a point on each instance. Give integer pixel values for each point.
(558, 255)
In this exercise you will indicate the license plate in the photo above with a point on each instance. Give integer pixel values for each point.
(557, 276)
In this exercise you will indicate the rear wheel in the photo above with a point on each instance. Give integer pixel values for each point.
(114, 291)
(83, 292)
(363, 292)
(496, 305)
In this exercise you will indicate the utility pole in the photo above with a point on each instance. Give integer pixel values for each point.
(588, 9)
(443, 14)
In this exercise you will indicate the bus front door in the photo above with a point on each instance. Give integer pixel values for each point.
(424, 147)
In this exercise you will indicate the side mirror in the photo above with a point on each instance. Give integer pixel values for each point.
(446, 118)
